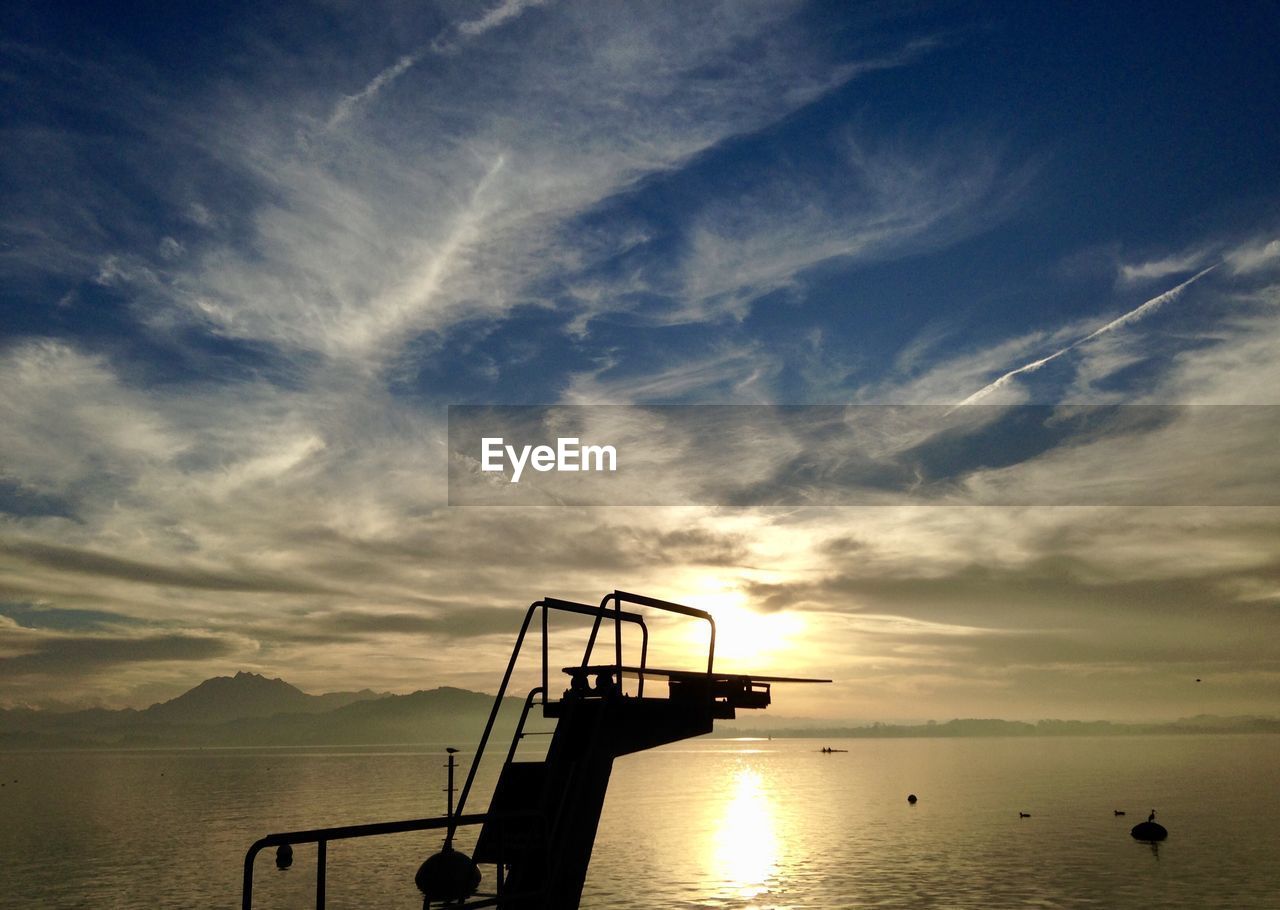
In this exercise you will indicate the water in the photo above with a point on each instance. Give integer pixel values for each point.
(710, 823)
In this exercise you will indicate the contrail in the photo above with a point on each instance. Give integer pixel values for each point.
(1128, 318)
(342, 110)
(507, 9)
(1151, 305)
(473, 28)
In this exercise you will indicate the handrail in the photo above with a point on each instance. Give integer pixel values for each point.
(524, 714)
(493, 714)
(321, 837)
(569, 606)
(644, 600)
(546, 603)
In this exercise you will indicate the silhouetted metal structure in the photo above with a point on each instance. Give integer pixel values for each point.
(541, 823)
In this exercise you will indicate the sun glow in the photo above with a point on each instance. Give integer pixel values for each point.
(744, 636)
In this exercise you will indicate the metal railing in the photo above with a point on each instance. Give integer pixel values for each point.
(620, 597)
(321, 837)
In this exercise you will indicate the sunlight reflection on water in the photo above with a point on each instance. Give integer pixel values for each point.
(745, 847)
(705, 824)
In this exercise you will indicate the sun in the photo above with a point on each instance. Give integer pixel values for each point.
(745, 639)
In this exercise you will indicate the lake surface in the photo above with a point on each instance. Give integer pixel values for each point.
(709, 823)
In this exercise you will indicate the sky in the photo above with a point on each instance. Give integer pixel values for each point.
(250, 253)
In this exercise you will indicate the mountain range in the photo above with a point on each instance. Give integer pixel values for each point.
(251, 710)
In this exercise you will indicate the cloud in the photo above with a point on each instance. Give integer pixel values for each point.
(40, 616)
(883, 203)
(350, 243)
(71, 422)
(1135, 273)
(81, 656)
(1254, 257)
(464, 621)
(736, 230)
(69, 559)
(732, 373)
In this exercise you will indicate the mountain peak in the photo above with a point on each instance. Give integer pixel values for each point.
(225, 698)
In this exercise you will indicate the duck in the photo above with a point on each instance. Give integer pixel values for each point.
(1119, 811)
(1024, 815)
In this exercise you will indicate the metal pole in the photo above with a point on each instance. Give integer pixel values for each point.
(246, 892)
(450, 812)
(322, 849)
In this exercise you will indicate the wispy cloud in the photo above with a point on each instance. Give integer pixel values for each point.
(883, 204)
(372, 238)
(1254, 257)
(103, 565)
(732, 373)
(1153, 269)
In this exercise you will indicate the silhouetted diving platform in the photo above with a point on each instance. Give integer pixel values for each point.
(540, 827)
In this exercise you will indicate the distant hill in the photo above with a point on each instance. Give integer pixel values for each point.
(970, 727)
(228, 698)
(434, 715)
(252, 710)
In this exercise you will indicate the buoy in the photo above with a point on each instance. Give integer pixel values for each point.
(911, 798)
(284, 856)
(1149, 830)
(447, 876)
